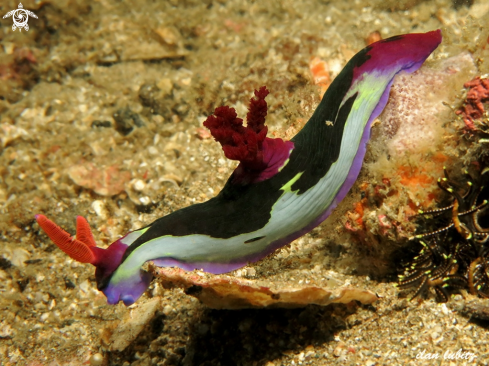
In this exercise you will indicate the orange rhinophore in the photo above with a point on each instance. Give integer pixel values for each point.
(75, 248)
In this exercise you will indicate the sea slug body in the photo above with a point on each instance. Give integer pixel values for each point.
(280, 190)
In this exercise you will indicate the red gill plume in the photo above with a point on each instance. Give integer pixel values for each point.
(238, 142)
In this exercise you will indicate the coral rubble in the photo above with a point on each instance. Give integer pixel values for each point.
(229, 292)
(473, 107)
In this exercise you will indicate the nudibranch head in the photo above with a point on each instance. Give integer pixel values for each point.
(84, 249)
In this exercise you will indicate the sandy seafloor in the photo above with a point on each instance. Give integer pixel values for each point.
(164, 66)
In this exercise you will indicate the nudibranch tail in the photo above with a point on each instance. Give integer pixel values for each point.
(75, 248)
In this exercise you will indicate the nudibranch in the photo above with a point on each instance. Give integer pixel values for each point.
(279, 191)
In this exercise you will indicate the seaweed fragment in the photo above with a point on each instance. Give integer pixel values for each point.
(455, 250)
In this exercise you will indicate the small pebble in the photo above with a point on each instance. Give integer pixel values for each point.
(165, 85)
(99, 207)
(301, 356)
(339, 349)
(96, 359)
(103, 124)
(125, 120)
(158, 119)
(19, 256)
(139, 185)
(85, 286)
(167, 309)
(145, 200)
(373, 37)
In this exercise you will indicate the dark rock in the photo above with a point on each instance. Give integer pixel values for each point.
(22, 283)
(98, 123)
(156, 100)
(5, 263)
(125, 120)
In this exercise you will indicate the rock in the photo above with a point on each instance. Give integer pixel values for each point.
(133, 323)
(159, 100)
(106, 181)
(99, 207)
(125, 120)
(10, 133)
(98, 123)
(97, 359)
(19, 256)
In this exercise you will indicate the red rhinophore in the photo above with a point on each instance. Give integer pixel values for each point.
(75, 248)
(83, 232)
(244, 144)
(473, 107)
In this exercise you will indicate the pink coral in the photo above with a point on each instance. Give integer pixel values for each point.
(473, 107)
